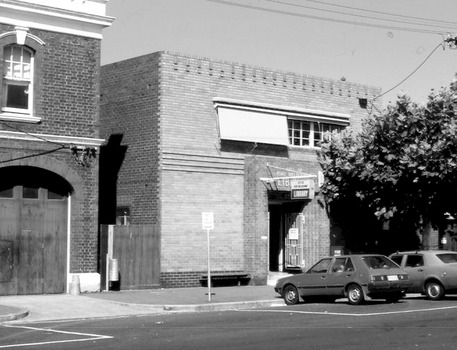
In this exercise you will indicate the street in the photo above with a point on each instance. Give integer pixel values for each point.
(414, 323)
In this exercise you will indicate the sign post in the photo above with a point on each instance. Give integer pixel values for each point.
(208, 224)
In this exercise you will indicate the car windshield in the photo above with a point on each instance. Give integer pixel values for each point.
(378, 262)
(447, 258)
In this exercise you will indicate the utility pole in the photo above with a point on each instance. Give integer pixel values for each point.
(451, 40)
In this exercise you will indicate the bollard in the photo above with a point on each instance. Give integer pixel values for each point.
(75, 287)
(114, 270)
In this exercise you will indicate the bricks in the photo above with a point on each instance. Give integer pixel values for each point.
(66, 100)
(176, 165)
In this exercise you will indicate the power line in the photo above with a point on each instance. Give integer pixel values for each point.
(454, 25)
(31, 135)
(382, 13)
(334, 20)
(414, 71)
(33, 155)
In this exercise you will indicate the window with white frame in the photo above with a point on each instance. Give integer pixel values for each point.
(309, 133)
(17, 79)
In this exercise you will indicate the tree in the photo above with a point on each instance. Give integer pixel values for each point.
(402, 166)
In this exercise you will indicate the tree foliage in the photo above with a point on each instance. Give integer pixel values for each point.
(402, 166)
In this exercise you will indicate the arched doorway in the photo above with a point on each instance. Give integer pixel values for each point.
(33, 231)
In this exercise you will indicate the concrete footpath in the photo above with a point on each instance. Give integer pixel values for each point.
(52, 307)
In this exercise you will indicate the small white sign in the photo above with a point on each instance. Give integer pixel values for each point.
(293, 233)
(300, 183)
(208, 220)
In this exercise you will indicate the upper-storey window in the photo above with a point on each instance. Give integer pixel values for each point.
(276, 125)
(17, 79)
(309, 133)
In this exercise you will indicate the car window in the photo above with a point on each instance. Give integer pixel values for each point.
(414, 261)
(378, 262)
(321, 267)
(447, 258)
(349, 265)
(397, 259)
(339, 265)
(342, 265)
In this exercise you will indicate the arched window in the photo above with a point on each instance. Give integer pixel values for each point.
(17, 79)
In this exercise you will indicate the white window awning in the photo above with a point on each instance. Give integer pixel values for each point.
(252, 126)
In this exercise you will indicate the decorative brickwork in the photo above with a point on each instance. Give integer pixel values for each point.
(176, 166)
(67, 82)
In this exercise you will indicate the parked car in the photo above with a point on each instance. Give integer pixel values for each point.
(353, 276)
(431, 272)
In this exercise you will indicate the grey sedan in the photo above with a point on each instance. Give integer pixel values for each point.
(431, 272)
(356, 277)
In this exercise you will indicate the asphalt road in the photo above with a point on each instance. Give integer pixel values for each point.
(409, 324)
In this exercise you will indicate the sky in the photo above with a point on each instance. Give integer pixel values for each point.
(374, 42)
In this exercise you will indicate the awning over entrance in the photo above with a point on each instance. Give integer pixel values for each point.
(300, 185)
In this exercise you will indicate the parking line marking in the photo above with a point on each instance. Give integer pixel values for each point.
(354, 314)
(91, 337)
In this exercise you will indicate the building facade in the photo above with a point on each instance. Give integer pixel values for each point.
(197, 136)
(49, 135)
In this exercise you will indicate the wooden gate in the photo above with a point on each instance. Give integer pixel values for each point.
(33, 237)
(137, 250)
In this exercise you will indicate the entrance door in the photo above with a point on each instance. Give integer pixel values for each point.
(285, 237)
(33, 233)
(293, 256)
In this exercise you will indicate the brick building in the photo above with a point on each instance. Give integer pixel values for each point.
(49, 119)
(194, 135)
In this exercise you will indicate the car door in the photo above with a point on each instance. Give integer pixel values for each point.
(313, 282)
(340, 274)
(414, 265)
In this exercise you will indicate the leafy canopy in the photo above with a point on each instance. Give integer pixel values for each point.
(402, 165)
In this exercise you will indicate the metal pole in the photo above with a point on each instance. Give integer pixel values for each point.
(209, 267)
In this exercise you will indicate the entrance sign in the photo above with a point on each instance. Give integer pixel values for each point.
(300, 194)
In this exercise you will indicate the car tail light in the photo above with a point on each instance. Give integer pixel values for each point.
(378, 278)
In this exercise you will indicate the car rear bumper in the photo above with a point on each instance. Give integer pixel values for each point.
(386, 287)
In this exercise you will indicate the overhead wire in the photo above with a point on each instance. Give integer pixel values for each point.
(33, 155)
(355, 23)
(454, 26)
(381, 12)
(414, 71)
(31, 135)
(334, 20)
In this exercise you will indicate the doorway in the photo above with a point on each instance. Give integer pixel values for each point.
(33, 231)
(286, 236)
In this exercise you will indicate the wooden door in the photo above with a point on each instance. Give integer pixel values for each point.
(33, 232)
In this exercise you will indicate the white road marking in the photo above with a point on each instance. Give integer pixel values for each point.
(353, 314)
(90, 337)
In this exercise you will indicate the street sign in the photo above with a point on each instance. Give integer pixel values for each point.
(208, 220)
(208, 224)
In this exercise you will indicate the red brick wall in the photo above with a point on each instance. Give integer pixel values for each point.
(193, 173)
(67, 90)
(130, 108)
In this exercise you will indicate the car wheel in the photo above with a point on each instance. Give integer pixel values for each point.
(291, 296)
(434, 290)
(355, 294)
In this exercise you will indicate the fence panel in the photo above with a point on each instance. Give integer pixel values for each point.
(137, 249)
